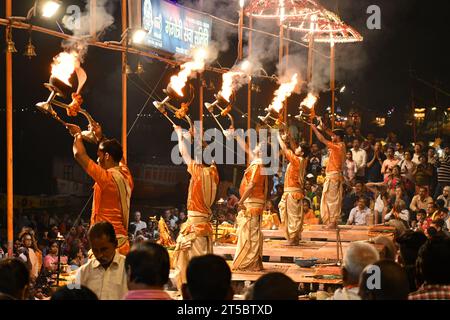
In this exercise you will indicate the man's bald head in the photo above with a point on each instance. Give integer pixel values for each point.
(356, 258)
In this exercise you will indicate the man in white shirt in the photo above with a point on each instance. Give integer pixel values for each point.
(138, 222)
(360, 158)
(105, 272)
(359, 214)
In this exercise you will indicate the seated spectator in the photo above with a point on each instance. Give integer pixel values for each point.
(399, 212)
(105, 273)
(14, 279)
(390, 249)
(422, 221)
(398, 195)
(30, 253)
(420, 200)
(445, 196)
(148, 267)
(79, 258)
(356, 258)
(360, 214)
(410, 243)
(446, 217)
(208, 278)
(274, 286)
(308, 214)
(311, 195)
(351, 199)
(51, 259)
(138, 223)
(439, 225)
(320, 180)
(432, 211)
(392, 285)
(66, 293)
(432, 268)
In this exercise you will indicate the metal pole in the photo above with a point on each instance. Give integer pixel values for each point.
(124, 82)
(332, 82)
(9, 140)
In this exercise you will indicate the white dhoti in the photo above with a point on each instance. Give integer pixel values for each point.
(291, 212)
(249, 248)
(331, 202)
(195, 239)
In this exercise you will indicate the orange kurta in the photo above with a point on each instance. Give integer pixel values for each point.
(337, 156)
(253, 174)
(295, 172)
(106, 205)
(196, 198)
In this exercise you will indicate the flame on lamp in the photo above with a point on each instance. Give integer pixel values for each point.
(227, 85)
(178, 81)
(309, 101)
(64, 65)
(282, 93)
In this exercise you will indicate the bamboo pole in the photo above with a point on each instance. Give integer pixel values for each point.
(249, 89)
(332, 82)
(200, 106)
(124, 81)
(241, 34)
(9, 141)
(310, 71)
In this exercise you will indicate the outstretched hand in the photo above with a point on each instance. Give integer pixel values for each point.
(73, 129)
(96, 128)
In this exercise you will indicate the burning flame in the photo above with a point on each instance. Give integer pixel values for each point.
(64, 65)
(283, 92)
(233, 80)
(178, 81)
(309, 101)
(227, 85)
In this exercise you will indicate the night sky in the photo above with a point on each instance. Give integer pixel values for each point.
(375, 72)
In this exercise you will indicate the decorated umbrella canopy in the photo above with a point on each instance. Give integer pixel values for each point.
(330, 29)
(285, 10)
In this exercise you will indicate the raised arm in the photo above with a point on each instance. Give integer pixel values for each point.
(281, 142)
(182, 145)
(319, 135)
(79, 151)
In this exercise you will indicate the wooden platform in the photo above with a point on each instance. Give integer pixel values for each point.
(347, 233)
(306, 249)
(317, 274)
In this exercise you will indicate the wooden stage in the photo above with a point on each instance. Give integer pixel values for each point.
(317, 274)
(281, 256)
(306, 249)
(347, 233)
